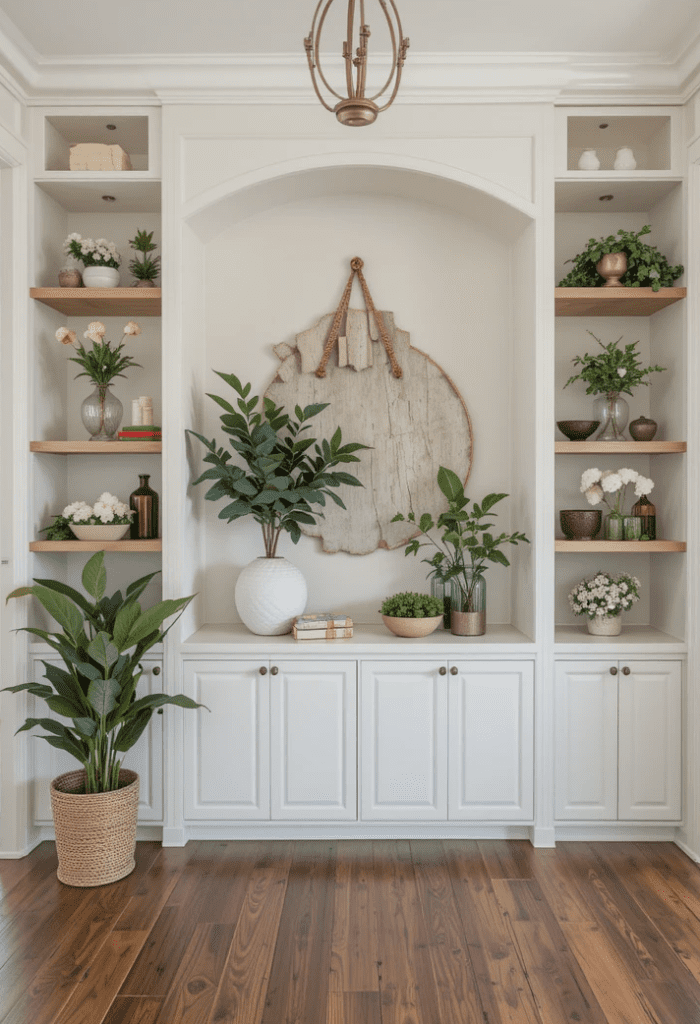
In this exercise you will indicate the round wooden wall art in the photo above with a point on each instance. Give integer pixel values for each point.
(414, 424)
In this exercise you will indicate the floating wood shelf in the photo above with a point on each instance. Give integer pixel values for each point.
(100, 301)
(97, 447)
(618, 547)
(96, 545)
(614, 301)
(618, 447)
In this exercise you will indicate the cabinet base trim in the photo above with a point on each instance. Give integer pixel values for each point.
(687, 850)
(277, 830)
(542, 838)
(599, 832)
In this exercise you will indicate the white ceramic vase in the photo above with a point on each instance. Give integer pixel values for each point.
(270, 593)
(605, 625)
(100, 277)
(624, 159)
(588, 161)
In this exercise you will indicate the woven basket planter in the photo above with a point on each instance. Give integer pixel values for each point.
(95, 832)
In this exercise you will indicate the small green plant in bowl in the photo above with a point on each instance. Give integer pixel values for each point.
(146, 269)
(411, 614)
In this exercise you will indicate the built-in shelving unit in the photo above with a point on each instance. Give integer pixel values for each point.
(97, 545)
(619, 447)
(614, 301)
(97, 447)
(100, 301)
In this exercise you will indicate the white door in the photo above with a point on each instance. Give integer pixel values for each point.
(491, 740)
(227, 751)
(313, 747)
(145, 757)
(404, 741)
(585, 771)
(650, 741)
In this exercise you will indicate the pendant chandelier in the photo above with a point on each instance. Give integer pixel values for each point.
(354, 108)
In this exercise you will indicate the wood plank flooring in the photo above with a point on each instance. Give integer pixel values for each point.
(391, 932)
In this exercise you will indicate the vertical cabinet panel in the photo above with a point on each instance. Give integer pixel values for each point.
(227, 768)
(313, 741)
(650, 741)
(145, 757)
(491, 741)
(404, 741)
(585, 771)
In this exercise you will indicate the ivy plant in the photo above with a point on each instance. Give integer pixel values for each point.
(646, 266)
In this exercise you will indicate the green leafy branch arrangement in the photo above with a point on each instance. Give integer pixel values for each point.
(466, 545)
(614, 370)
(101, 643)
(147, 268)
(285, 477)
(646, 266)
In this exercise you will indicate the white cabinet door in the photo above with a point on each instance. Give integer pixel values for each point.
(585, 769)
(491, 740)
(404, 741)
(313, 749)
(650, 741)
(146, 757)
(226, 769)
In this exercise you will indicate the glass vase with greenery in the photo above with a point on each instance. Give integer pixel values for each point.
(287, 473)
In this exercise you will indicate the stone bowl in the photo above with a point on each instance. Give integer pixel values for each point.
(577, 430)
(580, 524)
(97, 531)
(401, 626)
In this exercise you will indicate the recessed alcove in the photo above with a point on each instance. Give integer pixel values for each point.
(455, 263)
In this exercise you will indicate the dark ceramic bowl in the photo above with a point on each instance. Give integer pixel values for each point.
(643, 429)
(578, 430)
(580, 524)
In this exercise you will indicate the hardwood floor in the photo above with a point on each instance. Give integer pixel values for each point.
(419, 932)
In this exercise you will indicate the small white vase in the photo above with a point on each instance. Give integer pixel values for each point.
(624, 159)
(588, 161)
(101, 277)
(270, 593)
(605, 625)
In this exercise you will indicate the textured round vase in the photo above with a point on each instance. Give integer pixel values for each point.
(612, 266)
(69, 278)
(101, 413)
(580, 523)
(100, 277)
(643, 429)
(270, 593)
(605, 625)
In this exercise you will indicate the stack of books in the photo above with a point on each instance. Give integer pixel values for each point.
(146, 432)
(322, 626)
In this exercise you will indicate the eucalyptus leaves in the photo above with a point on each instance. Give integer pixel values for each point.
(101, 644)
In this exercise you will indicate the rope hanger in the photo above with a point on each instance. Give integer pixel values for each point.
(357, 264)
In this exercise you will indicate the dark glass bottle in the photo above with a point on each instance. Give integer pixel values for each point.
(144, 501)
(647, 513)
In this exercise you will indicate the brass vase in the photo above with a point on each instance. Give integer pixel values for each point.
(612, 266)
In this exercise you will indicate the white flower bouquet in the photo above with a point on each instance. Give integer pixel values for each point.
(604, 595)
(91, 253)
(600, 486)
(108, 510)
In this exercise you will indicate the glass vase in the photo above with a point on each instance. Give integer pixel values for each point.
(144, 502)
(614, 528)
(443, 592)
(468, 611)
(101, 413)
(632, 527)
(613, 412)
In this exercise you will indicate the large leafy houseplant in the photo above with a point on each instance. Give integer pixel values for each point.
(101, 642)
(466, 544)
(288, 472)
(646, 266)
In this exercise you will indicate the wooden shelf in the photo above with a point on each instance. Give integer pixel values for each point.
(96, 545)
(100, 301)
(617, 547)
(614, 301)
(97, 447)
(618, 447)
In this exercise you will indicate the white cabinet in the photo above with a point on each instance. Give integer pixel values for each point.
(279, 740)
(618, 741)
(145, 757)
(447, 741)
(491, 713)
(404, 741)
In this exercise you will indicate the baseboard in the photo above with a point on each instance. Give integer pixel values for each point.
(18, 854)
(543, 838)
(258, 830)
(174, 836)
(598, 832)
(686, 849)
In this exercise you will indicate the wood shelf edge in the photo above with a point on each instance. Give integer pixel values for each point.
(89, 545)
(97, 447)
(625, 547)
(614, 301)
(619, 447)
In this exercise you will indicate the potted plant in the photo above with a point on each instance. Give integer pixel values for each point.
(602, 599)
(597, 485)
(411, 614)
(609, 374)
(146, 269)
(463, 552)
(644, 265)
(108, 519)
(287, 475)
(101, 642)
(101, 412)
(100, 260)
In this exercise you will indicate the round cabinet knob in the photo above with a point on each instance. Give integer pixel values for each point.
(613, 671)
(156, 671)
(263, 670)
(454, 670)
(274, 670)
(442, 670)
(626, 670)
